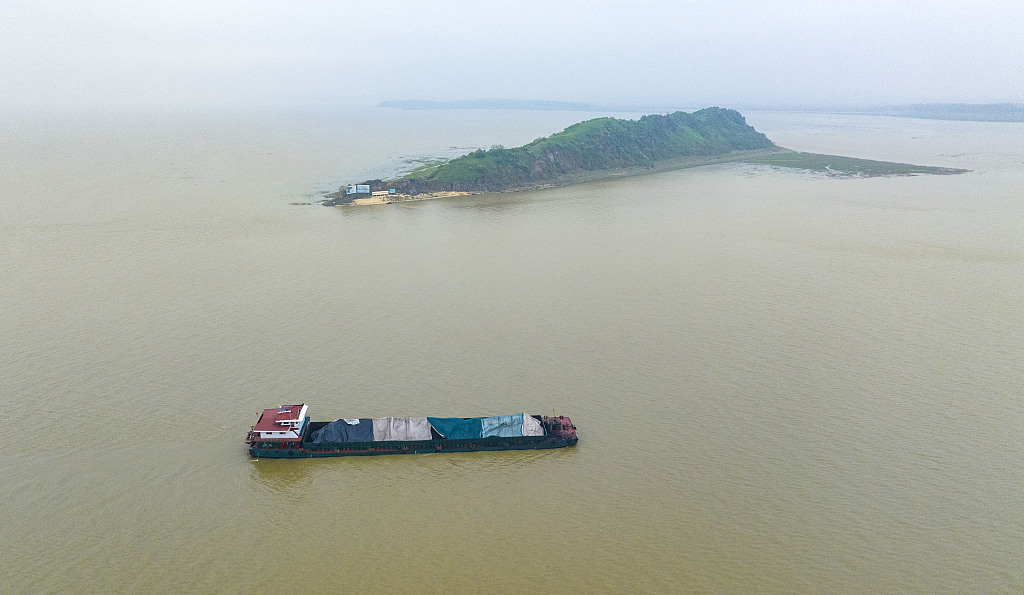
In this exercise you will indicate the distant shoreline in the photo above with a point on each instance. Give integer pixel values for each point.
(952, 112)
(960, 112)
(513, 104)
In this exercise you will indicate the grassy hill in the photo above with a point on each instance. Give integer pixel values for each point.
(599, 144)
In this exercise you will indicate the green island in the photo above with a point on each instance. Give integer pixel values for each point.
(605, 148)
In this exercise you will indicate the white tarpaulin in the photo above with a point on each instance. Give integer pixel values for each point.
(400, 428)
(532, 427)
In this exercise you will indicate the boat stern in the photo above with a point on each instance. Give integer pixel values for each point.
(561, 428)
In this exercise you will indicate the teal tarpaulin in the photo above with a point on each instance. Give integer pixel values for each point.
(455, 428)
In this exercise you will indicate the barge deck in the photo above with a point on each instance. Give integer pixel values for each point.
(286, 432)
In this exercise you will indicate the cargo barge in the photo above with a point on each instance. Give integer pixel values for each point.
(285, 432)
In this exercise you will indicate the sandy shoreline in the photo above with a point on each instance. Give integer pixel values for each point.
(390, 198)
(580, 178)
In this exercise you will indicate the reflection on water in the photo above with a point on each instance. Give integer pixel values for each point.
(782, 382)
(290, 478)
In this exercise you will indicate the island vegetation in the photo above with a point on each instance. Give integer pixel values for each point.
(836, 165)
(610, 147)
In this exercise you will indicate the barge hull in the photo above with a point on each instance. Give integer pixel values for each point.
(412, 447)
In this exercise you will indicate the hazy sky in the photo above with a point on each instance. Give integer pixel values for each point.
(732, 53)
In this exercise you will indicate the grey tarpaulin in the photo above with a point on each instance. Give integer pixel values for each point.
(532, 427)
(400, 428)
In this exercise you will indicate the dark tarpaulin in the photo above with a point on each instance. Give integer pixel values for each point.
(455, 428)
(341, 431)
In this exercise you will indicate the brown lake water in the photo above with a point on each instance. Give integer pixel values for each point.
(782, 381)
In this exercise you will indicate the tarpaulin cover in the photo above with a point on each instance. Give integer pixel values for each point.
(400, 428)
(502, 426)
(455, 428)
(342, 431)
(532, 427)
